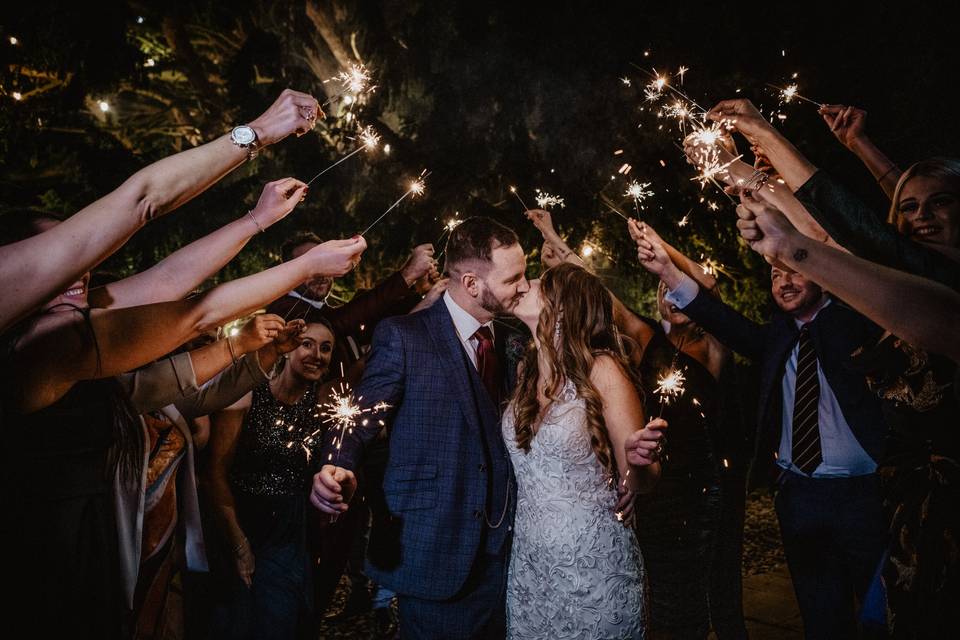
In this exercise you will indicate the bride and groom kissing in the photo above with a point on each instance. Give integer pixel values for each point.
(508, 486)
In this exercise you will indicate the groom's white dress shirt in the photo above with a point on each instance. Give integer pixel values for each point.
(466, 325)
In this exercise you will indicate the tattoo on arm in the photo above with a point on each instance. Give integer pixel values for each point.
(800, 255)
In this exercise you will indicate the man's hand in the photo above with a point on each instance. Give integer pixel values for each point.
(848, 124)
(644, 447)
(764, 227)
(653, 255)
(419, 264)
(292, 112)
(333, 488)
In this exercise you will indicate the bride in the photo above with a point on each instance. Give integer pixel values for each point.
(572, 430)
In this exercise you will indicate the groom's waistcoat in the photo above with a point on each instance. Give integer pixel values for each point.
(448, 470)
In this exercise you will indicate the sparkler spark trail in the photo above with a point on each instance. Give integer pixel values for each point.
(546, 200)
(355, 80)
(655, 88)
(639, 191)
(788, 93)
(369, 139)
(417, 188)
(670, 386)
(344, 412)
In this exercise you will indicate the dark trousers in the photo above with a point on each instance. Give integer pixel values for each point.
(477, 612)
(833, 536)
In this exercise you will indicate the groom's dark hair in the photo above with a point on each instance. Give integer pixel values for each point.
(474, 240)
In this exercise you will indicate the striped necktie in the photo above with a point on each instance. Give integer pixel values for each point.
(806, 453)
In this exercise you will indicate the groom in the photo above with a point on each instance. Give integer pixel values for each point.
(449, 482)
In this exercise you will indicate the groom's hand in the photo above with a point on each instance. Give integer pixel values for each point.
(332, 489)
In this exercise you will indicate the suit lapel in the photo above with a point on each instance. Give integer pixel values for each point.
(444, 335)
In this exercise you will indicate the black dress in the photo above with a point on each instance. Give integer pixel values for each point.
(59, 529)
(920, 477)
(270, 480)
(678, 522)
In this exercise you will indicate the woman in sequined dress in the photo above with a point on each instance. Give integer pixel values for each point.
(258, 479)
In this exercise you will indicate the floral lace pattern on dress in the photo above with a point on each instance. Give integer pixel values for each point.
(575, 570)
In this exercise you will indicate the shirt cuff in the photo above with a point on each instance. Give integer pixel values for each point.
(684, 293)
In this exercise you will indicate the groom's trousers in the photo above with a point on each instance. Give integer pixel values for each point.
(477, 612)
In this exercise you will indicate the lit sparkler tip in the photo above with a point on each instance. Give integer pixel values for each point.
(789, 92)
(670, 386)
(369, 137)
(452, 224)
(356, 79)
(639, 190)
(545, 200)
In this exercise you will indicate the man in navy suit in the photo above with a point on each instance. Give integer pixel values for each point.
(820, 435)
(449, 483)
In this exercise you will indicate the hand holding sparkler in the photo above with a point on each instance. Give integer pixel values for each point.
(277, 200)
(257, 332)
(644, 447)
(848, 124)
(335, 257)
(653, 255)
(742, 115)
(437, 290)
(420, 263)
(333, 487)
(764, 227)
(292, 112)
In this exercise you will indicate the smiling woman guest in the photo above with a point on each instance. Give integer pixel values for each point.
(926, 202)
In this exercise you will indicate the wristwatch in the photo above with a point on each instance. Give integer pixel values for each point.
(246, 138)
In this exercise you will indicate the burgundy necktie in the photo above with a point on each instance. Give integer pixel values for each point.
(487, 364)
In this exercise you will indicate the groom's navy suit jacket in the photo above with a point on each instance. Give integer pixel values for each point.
(439, 478)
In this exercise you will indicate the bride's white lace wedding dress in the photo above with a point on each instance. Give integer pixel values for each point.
(575, 569)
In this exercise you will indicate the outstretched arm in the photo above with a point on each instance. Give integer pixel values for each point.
(849, 125)
(35, 270)
(878, 292)
(185, 269)
(62, 348)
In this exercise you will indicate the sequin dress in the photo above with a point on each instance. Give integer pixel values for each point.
(270, 480)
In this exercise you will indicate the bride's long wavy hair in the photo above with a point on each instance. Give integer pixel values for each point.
(575, 326)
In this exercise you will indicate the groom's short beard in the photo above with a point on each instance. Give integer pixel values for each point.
(490, 304)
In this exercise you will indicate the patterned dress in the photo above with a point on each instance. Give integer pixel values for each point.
(575, 569)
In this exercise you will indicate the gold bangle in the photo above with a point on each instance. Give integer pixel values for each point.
(886, 173)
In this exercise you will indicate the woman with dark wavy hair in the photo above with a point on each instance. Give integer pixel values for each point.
(573, 433)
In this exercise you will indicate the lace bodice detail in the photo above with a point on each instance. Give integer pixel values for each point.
(575, 569)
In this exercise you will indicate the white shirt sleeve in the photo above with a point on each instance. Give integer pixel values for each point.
(684, 293)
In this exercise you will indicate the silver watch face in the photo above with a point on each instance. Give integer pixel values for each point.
(243, 135)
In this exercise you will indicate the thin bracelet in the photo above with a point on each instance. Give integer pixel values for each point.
(240, 546)
(252, 217)
(233, 355)
(886, 173)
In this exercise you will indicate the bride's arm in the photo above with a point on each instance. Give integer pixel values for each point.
(622, 413)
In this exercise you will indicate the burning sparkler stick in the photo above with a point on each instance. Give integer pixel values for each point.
(523, 204)
(788, 93)
(416, 188)
(369, 139)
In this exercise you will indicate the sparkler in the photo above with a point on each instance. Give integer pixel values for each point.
(639, 191)
(344, 413)
(513, 190)
(369, 139)
(788, 93)
(670, 386)
(545, 200)
(417, 188)
(355, 80)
